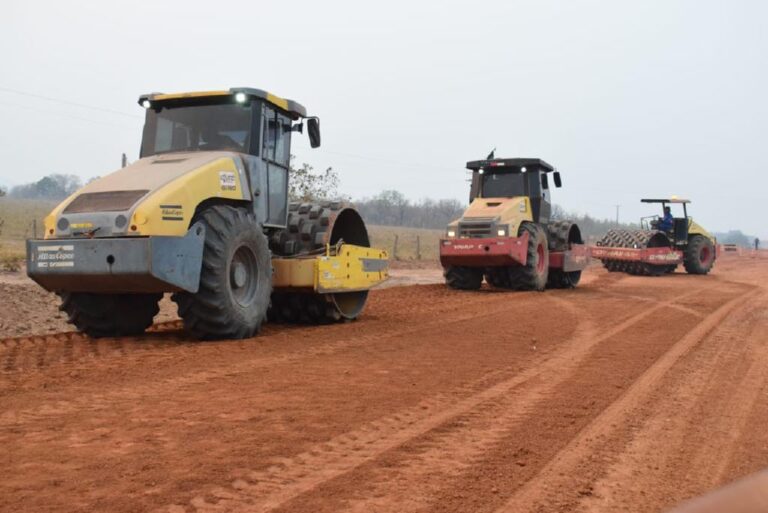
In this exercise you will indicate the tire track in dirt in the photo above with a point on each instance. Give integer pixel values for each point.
(545, 491)
(264, 491)
(38, 352)
(689, 439)
(329, 345)
(446, 450)
(18, 354)
(650, 299)
(571, 395)
(143, 453)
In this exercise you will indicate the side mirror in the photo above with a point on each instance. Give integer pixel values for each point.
(313, 130)
(544, 181)
(558, 181)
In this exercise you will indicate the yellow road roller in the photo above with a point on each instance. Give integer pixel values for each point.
(205, 215)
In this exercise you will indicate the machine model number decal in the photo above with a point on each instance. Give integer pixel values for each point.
(55, 256)
(227, 181)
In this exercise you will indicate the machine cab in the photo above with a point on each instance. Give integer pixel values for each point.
(253, 123)
(680, 225)
(509, 178)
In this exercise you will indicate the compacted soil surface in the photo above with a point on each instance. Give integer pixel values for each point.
(624, 394)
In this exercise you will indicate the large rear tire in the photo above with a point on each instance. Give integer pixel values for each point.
(699, 255)
(236, 277)
(463, 278)
(110, 315)
(533, 275)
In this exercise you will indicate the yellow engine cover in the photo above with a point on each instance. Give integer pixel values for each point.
(695, 228)
(509, 212)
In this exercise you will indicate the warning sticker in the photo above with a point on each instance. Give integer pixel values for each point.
(227, 181)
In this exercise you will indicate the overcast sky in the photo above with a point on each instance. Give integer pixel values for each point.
(626, 99)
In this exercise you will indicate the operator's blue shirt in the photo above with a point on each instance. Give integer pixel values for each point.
(666, 222)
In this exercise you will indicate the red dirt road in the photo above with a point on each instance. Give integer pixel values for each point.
(626, 394)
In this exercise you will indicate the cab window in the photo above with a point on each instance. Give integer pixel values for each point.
(270, 129)
(283, 144)
(214, 127)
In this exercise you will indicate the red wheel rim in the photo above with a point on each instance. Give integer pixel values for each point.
(540, 263)
(704, 255)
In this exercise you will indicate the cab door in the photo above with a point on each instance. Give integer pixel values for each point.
(276, 154)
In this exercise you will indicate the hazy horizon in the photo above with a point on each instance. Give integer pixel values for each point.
(626, 100)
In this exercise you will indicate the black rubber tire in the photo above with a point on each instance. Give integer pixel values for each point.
(463, 278)
(110, 315)
(699, 255)
(530, 276)
(559, 279)
(235, 280)
(561, 234)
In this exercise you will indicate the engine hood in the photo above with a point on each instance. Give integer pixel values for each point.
(108, 206)
(485, 216)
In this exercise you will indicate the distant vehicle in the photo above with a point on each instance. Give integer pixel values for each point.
(652, 251)
(506, 235)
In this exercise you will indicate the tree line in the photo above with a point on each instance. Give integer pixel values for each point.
(51, 187)
(392, 208)
(735, 237)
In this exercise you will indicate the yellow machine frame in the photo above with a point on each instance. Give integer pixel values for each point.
(350, 269)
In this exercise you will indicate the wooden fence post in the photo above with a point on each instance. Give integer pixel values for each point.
(394, 249)
(418, 247)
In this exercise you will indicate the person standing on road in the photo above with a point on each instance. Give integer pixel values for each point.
(757, 243)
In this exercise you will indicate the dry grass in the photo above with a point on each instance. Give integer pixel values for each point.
(17, 219)
(11, 260)
(407, 245)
